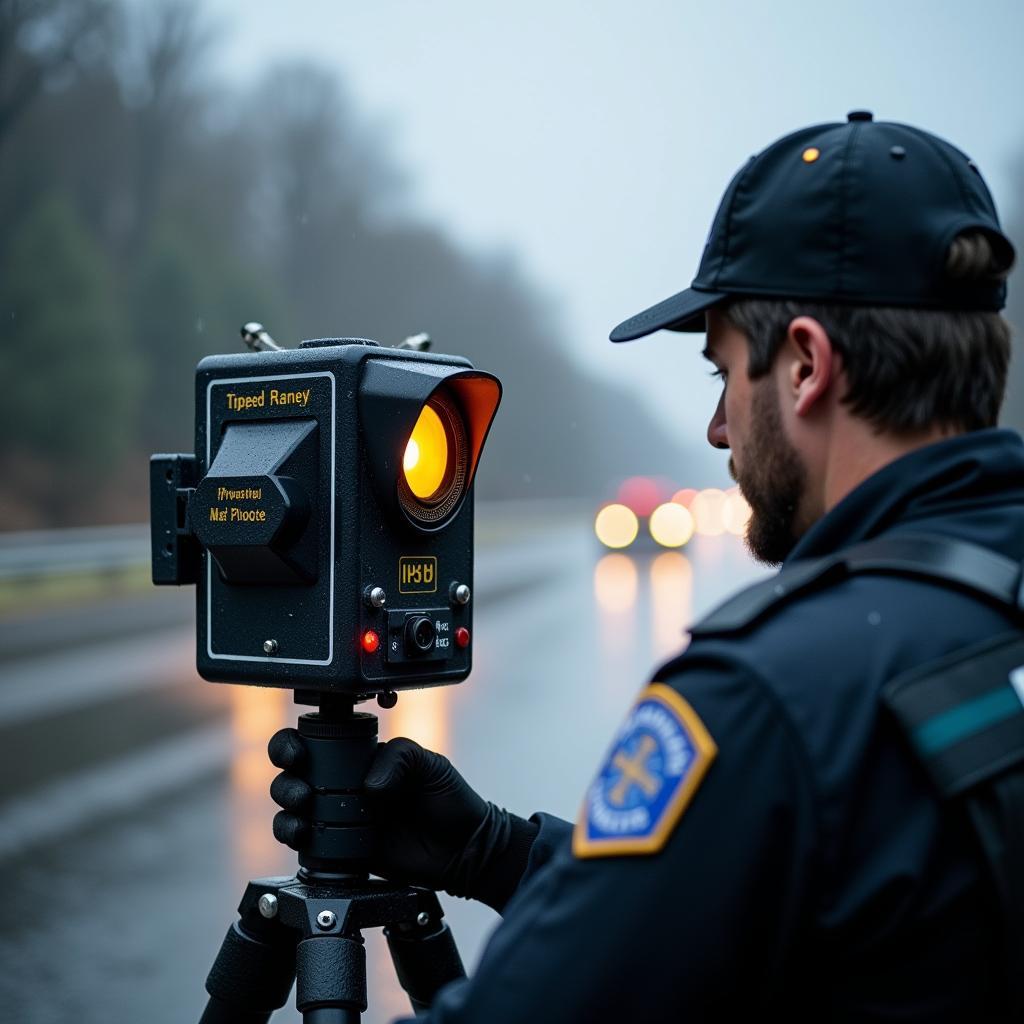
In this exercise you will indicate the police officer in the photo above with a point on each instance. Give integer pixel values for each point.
(762, 836)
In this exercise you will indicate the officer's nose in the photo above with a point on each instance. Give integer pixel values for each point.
(718, 433)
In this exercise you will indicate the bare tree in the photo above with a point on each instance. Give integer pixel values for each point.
(41, 42)
(163, 83)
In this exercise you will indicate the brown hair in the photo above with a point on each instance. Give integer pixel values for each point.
(906, 369)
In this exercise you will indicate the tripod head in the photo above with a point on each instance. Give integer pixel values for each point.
(339, 745)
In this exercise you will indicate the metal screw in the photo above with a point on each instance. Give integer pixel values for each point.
(326, 920)
(268, 905)
(270, 647)
(423, 919)
(376, 598)
(462, 594)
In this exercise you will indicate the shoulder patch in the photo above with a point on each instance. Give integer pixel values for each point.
(648, 778)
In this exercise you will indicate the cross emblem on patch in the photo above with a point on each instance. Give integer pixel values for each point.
(648, 777)
(634, 771)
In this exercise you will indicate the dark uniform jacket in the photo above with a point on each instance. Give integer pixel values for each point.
(814, 872)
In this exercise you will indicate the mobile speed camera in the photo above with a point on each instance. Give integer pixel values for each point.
(326, 516)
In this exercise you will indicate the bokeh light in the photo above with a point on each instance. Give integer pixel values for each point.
(736, 513)
(671, 525)
(616, 526)
(642, 494)
(708, 510)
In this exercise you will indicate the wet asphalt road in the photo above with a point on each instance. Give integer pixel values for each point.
(133, 800)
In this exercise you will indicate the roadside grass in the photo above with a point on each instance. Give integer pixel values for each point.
(41, 593)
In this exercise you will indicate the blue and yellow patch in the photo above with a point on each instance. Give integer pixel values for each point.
(650, 775)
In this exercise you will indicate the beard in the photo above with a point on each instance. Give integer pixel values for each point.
(773, 480)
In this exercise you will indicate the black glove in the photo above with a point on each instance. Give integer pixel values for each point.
(432, 828)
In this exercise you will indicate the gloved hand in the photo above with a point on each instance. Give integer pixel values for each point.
(432, 828)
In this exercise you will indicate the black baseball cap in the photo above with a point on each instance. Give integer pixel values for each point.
(860, 212)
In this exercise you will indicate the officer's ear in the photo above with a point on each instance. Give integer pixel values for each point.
(809, 363)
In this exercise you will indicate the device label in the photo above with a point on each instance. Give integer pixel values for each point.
(230, 513)
(267, 398)
(417, 575)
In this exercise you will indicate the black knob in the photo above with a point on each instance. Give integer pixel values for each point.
(419, 635)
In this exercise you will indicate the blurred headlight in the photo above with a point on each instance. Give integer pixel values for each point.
(737, 513)
(616, 526)
(671, 525)
(708, 509)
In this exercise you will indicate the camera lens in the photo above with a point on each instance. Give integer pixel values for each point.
(419, 634)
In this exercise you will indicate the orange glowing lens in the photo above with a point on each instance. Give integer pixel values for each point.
(811, 154)
(426, 455)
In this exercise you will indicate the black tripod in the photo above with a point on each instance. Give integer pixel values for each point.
(307, 929)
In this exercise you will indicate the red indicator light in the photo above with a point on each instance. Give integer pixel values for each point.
(371, 641)
(462, 636)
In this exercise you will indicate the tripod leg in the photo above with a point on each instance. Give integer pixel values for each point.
(254, 969)
(331, 979)
(425, 957)
(249, 979)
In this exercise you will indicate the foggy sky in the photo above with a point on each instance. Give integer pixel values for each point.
(592, 140)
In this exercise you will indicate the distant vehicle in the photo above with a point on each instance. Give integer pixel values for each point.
(651, 513)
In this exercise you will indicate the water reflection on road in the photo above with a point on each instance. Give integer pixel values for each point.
(671, 590)
(630, 593)
(424, 714)
(256, 714)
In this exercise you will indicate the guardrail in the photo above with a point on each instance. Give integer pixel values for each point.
(37, 554)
